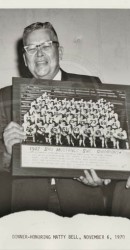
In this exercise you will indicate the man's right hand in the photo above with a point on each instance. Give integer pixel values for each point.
(13, 134)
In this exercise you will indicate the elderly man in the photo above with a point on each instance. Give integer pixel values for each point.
(66, 197)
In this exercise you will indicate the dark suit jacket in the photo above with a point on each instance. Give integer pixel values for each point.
(33, 193)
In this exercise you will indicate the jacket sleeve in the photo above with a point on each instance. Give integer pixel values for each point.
(4, 104)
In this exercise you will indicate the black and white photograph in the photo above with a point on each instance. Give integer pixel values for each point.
(64, 128)
(75, 117)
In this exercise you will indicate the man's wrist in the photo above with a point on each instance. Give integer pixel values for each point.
(6, 161)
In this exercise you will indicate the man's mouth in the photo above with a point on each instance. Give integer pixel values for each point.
(41, 62)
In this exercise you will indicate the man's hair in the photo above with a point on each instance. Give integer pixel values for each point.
(37, 26)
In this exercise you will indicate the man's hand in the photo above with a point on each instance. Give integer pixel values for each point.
(13, 134)
(128, 182)
(92, 179)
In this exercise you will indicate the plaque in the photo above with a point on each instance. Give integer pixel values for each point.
(70, 127)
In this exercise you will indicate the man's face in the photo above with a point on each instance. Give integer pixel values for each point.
(42, 64)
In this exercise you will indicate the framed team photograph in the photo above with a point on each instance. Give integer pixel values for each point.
(71, 127)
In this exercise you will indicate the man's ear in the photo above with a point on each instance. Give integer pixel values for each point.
(24, 58)
(61, 52)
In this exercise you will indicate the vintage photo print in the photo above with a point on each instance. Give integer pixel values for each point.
(67, 184)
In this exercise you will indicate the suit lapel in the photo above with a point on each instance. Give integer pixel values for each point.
(64, 75)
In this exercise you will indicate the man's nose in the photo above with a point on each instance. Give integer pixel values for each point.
(40, 52)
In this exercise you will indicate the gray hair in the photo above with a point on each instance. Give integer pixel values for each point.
(37, 26)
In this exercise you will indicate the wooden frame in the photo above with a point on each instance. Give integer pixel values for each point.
(24, 91)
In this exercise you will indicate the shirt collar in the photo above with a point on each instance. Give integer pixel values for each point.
(58, 76)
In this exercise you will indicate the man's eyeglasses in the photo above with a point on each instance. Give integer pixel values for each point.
(46, 46)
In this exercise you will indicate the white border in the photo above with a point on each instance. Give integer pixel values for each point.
(115, 4)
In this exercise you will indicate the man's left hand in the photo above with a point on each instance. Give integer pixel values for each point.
(128, 182)
(92, 179)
